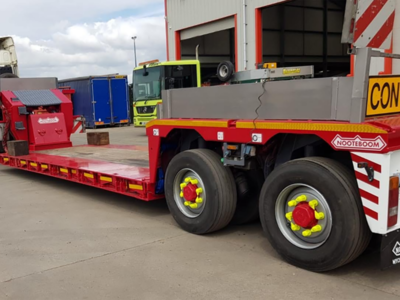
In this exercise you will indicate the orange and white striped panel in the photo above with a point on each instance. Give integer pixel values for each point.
(374, 194)
(78, 125)
(374, 23)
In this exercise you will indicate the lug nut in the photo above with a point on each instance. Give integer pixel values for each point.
(319, 215)
(316, 228)
(294, 227)
(313, 204)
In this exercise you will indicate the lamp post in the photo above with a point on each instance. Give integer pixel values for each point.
(134, 48)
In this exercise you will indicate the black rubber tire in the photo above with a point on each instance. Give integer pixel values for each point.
(248, 186)
(350, 233)
(8, 75)
(218, 183)
(230, 69)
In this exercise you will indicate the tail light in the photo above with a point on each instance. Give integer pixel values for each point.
(393, 201)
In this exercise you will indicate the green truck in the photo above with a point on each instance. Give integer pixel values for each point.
(150, 78)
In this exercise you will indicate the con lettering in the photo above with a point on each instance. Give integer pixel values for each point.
(384, 96)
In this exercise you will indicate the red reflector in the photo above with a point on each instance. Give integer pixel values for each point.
(393, 201)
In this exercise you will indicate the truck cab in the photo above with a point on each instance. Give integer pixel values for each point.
(150, 78)
(8, 58)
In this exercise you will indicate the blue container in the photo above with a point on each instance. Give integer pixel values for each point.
(102, 100)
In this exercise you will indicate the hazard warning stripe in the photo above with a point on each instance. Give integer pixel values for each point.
(374, 23)
(370, 213)
(369, 190)
(367, 10)
(359, 159)
(78, 128)
(383, 37)
(364, 178)
(369, 196)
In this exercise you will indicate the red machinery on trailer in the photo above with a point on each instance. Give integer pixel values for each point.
(317, 160)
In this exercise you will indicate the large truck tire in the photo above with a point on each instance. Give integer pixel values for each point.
(311, 213)
(225, 71)
(248, 186)
(200, 191)
(8, 75)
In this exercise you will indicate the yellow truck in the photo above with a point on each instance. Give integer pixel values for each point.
(152, 77)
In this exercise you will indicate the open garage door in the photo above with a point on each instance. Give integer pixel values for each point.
(306, 32)
(216, 42)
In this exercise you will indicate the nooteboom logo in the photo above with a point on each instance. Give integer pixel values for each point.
(48, 120)
(358, 143)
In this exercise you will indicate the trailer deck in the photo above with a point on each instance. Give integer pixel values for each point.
(119, 154)
(117, 168)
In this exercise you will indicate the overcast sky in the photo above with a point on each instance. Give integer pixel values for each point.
(72, 38)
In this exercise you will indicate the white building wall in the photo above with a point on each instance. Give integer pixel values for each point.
(182, 14)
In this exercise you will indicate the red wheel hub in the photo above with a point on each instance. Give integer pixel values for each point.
(304, 215)
(189, 192)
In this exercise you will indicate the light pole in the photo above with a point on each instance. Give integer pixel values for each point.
(134, 48)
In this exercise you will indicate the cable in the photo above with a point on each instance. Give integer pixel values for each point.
(256, 111)
(259, 106)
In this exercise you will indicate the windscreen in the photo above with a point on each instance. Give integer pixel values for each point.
(181, 76)
(147, 84)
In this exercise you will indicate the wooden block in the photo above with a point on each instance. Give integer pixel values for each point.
(18, 148)
(98, 138)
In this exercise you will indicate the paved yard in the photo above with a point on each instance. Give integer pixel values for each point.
(60, 240)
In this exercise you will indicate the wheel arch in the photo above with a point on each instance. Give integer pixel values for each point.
(287, 147)
(179, 140)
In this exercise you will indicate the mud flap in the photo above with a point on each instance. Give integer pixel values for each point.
(390, 250)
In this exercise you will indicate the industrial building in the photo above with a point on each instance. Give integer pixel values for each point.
(247, 32)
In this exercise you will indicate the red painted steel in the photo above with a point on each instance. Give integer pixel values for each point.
(29, 130)
(189, 192)
(47, 129)
(178, 45)
(259, 37)
(304, 216)
(123, 147)
(236, 46)
(127, 180)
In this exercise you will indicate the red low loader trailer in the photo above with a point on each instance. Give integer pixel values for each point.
(316, 160)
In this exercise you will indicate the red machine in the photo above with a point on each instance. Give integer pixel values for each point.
(42, 117)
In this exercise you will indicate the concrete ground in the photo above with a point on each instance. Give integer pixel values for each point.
(60, 240)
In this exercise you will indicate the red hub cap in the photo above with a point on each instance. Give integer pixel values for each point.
(304, 215)
(189, 192)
